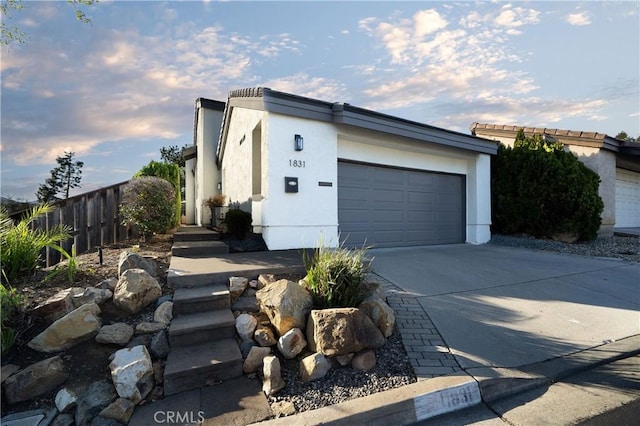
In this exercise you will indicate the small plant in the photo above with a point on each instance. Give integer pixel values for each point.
(335, 277)
(21, 245)
(10, 304)
(215, 201)
(72, 263)
(148, 202)
(238, 223)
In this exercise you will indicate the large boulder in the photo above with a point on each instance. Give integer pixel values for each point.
(132, 373)
(35, 380)
(131, 260)
(286, 303)
(58, 305)
(380, 313)
(75, 327)
(135, 290)
(340, 331)
(314, 367)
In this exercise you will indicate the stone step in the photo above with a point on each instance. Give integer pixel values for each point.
(197, 366)
(198, 248)
(202, 327)
(195, 233)
(200, 299)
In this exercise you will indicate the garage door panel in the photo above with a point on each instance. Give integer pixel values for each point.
(402, 207)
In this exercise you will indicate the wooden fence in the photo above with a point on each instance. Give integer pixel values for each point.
(93, 218)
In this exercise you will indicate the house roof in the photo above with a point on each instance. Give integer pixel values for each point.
(569, 137)
(265, 99)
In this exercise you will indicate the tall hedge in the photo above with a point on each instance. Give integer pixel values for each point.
(538, 188)
(171, 173)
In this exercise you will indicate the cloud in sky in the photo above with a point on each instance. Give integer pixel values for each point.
(579, 19)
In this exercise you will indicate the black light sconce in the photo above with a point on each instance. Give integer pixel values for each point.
(299, 142)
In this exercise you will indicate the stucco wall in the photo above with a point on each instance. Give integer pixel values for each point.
(207, 134)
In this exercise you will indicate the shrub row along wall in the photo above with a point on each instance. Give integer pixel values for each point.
(93, 218)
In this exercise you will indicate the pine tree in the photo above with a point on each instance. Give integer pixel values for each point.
(63, 178)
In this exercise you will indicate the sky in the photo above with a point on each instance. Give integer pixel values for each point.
(118, 89)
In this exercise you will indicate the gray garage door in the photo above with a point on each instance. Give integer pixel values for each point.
(392, 207)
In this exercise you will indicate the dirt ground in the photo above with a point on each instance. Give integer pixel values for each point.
(88, 361)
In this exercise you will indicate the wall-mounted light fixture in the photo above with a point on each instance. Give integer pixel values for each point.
(219, 186)
(299, 142)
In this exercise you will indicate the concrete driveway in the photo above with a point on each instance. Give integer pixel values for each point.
(509, 307)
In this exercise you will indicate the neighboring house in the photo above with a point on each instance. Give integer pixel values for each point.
(616, 161)
(307, 170)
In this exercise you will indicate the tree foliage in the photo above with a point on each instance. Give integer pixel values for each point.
(623, 136)
(172, 154)
(148, 202)
(171, 173)
(63, 178)
(540, 189)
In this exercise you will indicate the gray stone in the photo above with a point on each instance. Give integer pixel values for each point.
(39, 417)
(73, 328)
(314, 367)
(97, 396)
(66, 400)
(119, 410)
(272, 382)
(63, 420)
(159, 346)
(237, 286)
(7, 371)
(246, 346)
(264, 336)
(292, 343)
(253, 362)
(283, 409)
(92, 295)
(58, 305)
(135, 290)
(364, 361)
(345, 359)
(108, 284)
(341, 331)
(129, 260)
(380, 314)
(146, 327)
(164, 298)
(287, 305)
(132, 373)
(35, 380)
(253, 284)
(245, 326)
(164, 313)
(115, 334)
(140, 340)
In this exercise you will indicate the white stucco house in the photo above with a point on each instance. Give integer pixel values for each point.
(617, 163)
(308, 169)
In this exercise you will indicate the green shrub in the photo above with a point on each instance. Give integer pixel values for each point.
(335, 277)
(538, 188)
(238, 223)
(10, 305)
(171, 173)
(21, 245)
(148, 202)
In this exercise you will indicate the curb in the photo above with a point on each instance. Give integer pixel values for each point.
(445, 394)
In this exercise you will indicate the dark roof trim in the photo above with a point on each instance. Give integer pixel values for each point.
(189, 152)
(209, 104)
(262, 98)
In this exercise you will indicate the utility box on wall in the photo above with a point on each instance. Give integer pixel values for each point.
(290, 184)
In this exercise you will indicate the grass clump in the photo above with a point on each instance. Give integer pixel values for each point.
(335, 277)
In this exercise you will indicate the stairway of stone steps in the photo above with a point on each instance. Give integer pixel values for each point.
(204, 350)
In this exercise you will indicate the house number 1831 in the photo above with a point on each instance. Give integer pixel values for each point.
(296, 163)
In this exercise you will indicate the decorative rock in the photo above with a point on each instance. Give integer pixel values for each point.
(265, 279)
(140, 340)
(35, 380)
(292, 343)
(132, 373)
(245, 347)
(65, 400)
(245, 326)
(146, 327)
(63, 420)
(253, 284)
(380, 313)
(135, 290)
(286, 303)
(92, 295)
(108, 284)
(116, 334)
(129, 260)
(7, 371)
(58, 305)
(344, 360)
(341, 331)
(250, 292)
(264, 336)
(254, 360)
(273, 381)
(97, 396)
(364, 361)
(372, 289)
(78, 325)
(159, 345)
(163, 298)
(237, 286)
(119, 410)
(314, 367)
(164, 313)
(41, 416)
(283, 409)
